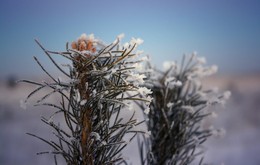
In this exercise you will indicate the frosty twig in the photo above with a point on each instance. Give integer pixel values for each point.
(98, 88)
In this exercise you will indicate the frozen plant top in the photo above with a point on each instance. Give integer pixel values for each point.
(100, 81)
(88, 43)
(131, 67)
(85, 42)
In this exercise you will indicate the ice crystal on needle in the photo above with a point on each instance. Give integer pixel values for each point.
(23, 104)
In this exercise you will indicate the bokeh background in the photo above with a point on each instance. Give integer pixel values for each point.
(226, 32)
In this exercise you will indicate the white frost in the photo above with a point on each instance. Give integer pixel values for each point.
(170, 104)
(144, 91)
(23, 104)
(149, 99)
(214, 115)
(145, 58)
(137, 41)
(86, 85)
(120, 36)
(226, 95)
(148, 134)
(91, 37)
(171, 83)
(139, 52)
(168, 64)
(136, 78)
(77, 96)
(126, 45)
(188, 108)
(137, 66)
(178, 83)
(130, 106)
(113, 70)
(201, 60)
(168, 80)
(213, 69)
(147, 110)
(95, 135)
(83, 102)
(83, 36)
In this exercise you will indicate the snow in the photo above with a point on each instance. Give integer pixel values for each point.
(201, 60)
(137, 41)
(240, 119)
(169, 105)
(147, 110)
(121, 36)
(168, 64)
(23, 104)
(144, 91)
(226, 95)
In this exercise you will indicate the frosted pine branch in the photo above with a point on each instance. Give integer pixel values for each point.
(98, 87)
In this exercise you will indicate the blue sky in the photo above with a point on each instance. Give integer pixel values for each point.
(226, 32)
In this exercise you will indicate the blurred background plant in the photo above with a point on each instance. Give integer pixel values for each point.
(179, 107)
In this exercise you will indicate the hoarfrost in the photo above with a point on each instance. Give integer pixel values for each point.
(83, 102)
(130, 106)
(214, 115)
(149, 99)
(136, 79)
(201, 94)
(91, 37)
(77, 96)
(139, 52)
(137, 66)
(219, 132)
(120, 36)
(86, 85)
(23, 104)
(172, 124)
(103, 143)
(226, 95)
(172, 84)
(170, 104)
(168, 80)
(94, 92)
(188, 108)
(148, 134)
(168, 64)
(144, 91)
(147, 110)
(83, 36)
(201, 60)
(126, 45)
(213, 69)
(100, 105)
(178, 83)
(113, 70)
(137, 41)
(95, 135)
(145, 58)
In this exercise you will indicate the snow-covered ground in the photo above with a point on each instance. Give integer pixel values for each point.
(240, 118)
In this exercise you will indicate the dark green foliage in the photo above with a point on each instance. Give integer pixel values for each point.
(92, 99)
(178, 107)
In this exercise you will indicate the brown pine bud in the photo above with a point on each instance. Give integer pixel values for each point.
(89, 45)
(74, 45)
(82, 46)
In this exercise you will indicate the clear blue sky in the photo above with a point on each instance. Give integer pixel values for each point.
(226, 32)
